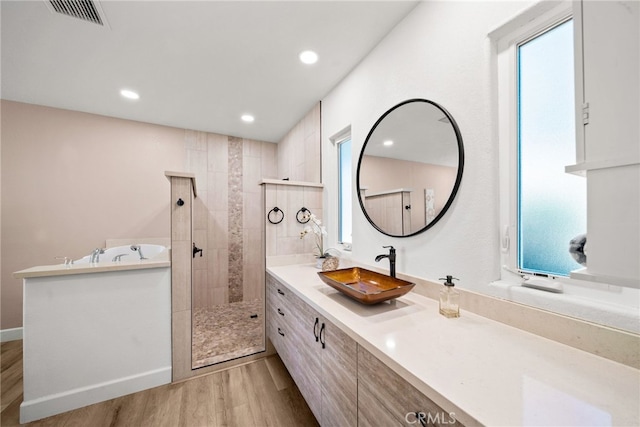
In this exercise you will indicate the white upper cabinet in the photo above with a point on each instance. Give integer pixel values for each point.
(608, 131)
(608, 47)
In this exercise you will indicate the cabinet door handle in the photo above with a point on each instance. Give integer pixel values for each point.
(315, 330)
(420, 417)
(280, 292)
(280, 312)
(322, 334)
(280, 332)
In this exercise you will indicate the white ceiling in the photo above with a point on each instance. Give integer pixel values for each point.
(196, 64)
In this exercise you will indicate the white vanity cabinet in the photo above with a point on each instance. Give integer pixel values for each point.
(384, 398)
(319, 356)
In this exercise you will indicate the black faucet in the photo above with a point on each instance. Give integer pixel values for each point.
(392, 260)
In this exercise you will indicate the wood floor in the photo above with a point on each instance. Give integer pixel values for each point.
(260, 394)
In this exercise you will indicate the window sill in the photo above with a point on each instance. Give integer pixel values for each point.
(598, 303)
(584, 275)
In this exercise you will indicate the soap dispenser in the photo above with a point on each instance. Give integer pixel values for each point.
(449, 299)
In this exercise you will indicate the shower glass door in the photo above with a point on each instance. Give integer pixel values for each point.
(228, 301)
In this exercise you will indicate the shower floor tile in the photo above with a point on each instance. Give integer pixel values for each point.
(226, 332)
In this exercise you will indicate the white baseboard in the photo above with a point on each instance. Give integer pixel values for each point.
(47, 406)
(10, 334)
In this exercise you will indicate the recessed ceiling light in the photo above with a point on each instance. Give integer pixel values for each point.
(388, 143)
(247, 118)
(308, 57)
(129, 94)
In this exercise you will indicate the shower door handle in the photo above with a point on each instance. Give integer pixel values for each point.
(196, 250)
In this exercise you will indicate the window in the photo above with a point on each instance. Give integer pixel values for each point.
(541, 206)
(551, 203)
(344, 191)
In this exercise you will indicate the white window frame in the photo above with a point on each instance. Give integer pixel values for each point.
(507, 45)
(582, 299)
(337, 140)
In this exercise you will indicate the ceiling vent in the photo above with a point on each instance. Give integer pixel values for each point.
(87, 10)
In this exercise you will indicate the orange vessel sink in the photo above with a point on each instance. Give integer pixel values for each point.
(365, 286)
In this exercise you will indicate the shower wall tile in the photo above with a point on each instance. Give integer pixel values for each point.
(218, 229)
(200, 212)
(270, 229)
(289, 245)
(252, 251)
(311, 121)
(253, 282)
(195, 140)
(181, 215)
(181, 274)
(291, 198)
(252, 212)
(200, 238)
(235, 198)
(269, 160)
(297, 148)
(312, 199)
(252, 148)
(197, 164)
(181, 344)
(311, 158)
(219, 268)
(218, 153)
(201, 289)
(203, 196)
(218, 186)
(220, 295)
(299, 151)
(251, 174)
(284, 238)
(301, 170)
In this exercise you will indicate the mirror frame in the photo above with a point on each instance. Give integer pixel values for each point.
(456, 185)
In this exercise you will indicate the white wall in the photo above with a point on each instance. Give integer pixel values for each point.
(440, 52)
(94, 337)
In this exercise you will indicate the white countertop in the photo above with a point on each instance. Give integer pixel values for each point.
(65, 270)
(484, 371)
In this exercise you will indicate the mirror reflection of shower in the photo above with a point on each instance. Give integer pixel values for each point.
(228, 301)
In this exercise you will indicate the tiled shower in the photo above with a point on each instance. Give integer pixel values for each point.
(228, 232)
(228, 272)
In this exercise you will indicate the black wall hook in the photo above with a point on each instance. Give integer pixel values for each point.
(180, 202)
(306, 215)
(275, 211)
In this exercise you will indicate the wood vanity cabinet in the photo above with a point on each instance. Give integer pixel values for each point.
(320, 357)
(343, 384)
(384, 398)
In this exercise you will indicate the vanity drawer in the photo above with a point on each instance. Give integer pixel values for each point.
(371, 413)
(381, 389)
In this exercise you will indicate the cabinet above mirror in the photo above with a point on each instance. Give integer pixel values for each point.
(410, 168)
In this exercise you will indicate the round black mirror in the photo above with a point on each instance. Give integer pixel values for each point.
(410, 168)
